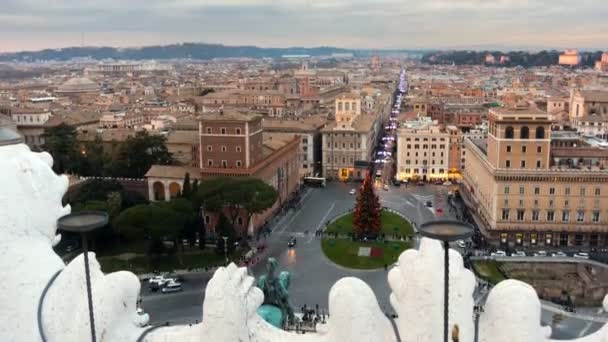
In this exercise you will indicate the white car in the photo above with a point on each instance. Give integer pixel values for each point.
(172, 286)
(352, 191)
(540, 254)
(581, 255)
(499, 254)
(559, 255)
(447, 183)
(519, 254)
(159, 280)
(461, 243)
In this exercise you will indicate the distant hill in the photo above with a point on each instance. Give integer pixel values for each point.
(200, 51)
(515, 58)
(174, 51)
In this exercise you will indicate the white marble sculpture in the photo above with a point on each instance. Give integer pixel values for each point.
(30, 204)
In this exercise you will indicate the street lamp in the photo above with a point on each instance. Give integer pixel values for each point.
(225, 248)
(446, 231)
(82, 223)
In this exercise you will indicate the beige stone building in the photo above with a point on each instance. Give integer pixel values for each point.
(309, 131)
(520, 194)
(589, 112)
(423, 151)
(351, 138)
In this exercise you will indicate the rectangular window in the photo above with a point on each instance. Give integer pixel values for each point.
(567, 191)
(506, 189)
(520, 215)
(565, 216)
(535, 215)
(539, 149)
(223, 130)
(508, 164)
(551, 191)
(508, 148)
(582, 191)
(550, 215)
(223, 148)
(506, 202)
(505, 214)
(597, 191)
(523, 149)
(209, 162)
(209, 148)
(239, 163)
(521, 190)
(538, 164)
(596, 217)
(523, 164)
(580, 216)
(224, 163)
(537, 191)
(208, 130)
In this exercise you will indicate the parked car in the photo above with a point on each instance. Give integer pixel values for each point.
(420, 183)
(352, 191)
(429, 204)
(159, 280)
(461, 243)
(581, 255)
(559, 255)
(172, 286)
(540, 254)
(447, 183)
(519, 254)
(385, 187)
(292, 242)
(499, 254)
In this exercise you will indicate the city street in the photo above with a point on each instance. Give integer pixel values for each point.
(312, 274)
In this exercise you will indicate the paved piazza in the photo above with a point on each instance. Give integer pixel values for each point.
(312, 273)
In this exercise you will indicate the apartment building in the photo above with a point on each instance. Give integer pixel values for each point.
(521, 193)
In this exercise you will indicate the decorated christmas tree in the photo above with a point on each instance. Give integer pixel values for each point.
(367, 210)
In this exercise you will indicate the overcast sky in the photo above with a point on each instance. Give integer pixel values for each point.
(37, 24)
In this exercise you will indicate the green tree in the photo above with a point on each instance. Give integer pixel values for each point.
(96, 190)
(366, 218)
(187, 187)
(237, 196)
(223, 228)
(194, 186)
(61, 143)
(137, 154)
(154, 222)
(94, 161)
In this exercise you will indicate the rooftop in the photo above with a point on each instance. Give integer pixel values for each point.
(229, 116)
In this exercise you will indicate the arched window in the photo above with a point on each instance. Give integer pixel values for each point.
(524, 133)
(540, 133)
(509, 132)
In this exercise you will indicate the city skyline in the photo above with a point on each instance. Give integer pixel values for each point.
(384, 24)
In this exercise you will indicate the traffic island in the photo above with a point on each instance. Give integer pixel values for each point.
(340, 246)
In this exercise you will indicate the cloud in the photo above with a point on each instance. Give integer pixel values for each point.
(348, 23)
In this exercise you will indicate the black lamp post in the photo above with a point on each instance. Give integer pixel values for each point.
(82, 223)
(446, 231)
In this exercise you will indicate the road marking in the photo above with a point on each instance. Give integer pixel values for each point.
(298, 211)
(333, 204)
(588, 325)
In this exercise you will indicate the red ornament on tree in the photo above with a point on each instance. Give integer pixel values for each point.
(366, 217)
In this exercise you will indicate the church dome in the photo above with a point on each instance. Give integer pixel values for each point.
(78, 85)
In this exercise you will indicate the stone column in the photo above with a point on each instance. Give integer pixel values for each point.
(167, 192)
